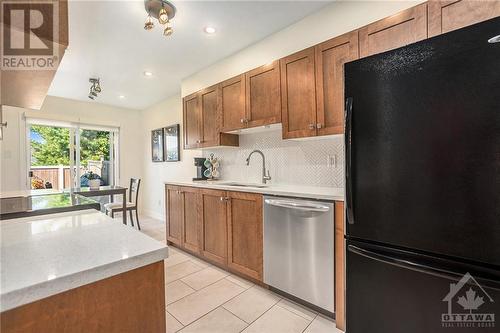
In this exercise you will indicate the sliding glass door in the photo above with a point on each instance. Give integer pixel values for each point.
(68, 155)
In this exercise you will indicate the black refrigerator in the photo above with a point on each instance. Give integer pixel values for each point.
(423, 186)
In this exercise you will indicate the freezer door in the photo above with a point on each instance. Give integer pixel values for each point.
(397, 291)
(423, 145)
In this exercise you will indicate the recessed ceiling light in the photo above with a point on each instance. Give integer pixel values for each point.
(146, 73)
(121, 96)
(209, 30)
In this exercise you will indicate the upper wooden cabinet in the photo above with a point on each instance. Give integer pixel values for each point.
(202, 120)
(445, 16)
(330, 59)
(263, 103)
(192, 121)
(210, 113)
(28, 88)
(233, 104)
(245, 241)
(406, 27)
(298, 94)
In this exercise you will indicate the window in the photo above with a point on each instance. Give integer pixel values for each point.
(64, 155)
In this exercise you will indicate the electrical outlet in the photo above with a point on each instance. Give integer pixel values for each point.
(331, 161)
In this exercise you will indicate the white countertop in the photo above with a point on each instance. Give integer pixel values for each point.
(299, 191)
(46, 255)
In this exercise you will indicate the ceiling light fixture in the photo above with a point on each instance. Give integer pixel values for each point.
(95, 88)
(163, 11)
(209, 30)
(121, 96)
(146, 73)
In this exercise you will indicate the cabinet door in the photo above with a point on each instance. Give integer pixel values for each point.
(233, 104)
(406, 27)
(174, 204)
(448, 15)
(263, 98)
(330, 59)
(191, 220)
(245, 243)
(210, 116)
(298, 94)
(192, 121)
(214, 225)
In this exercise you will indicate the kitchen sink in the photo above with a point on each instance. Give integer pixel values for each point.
(244, 184)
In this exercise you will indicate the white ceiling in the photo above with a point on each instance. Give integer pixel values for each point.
(107, 40)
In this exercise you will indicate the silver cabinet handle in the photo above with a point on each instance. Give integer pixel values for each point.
(242, 120)
(311, 126)
(297, 205)
(319, 125)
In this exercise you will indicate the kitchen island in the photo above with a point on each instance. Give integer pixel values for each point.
(81, 272)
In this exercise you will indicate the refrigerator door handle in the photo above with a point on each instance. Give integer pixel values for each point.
(406, 264)
(348, 175)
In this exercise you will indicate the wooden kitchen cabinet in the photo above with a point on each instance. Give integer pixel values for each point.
(448, 15)
(263, 97)
(406, 27)
(28, 88)
(210, 113)
(245, 240)
(233, 111)
(298, 94)
(213, 214)
(192, 121)
(202, 117)
(191, 226)
(174, 208)
(330, 59)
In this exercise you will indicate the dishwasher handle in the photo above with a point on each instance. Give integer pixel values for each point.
(297, 205)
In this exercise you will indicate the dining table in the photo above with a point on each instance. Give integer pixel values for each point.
(110, 190)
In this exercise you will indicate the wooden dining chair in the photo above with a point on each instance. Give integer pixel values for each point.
(133, 195)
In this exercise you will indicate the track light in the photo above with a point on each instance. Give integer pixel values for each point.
(95, 88)
(163, 11)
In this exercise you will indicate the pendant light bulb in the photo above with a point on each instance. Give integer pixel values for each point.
(163, 16)
(168, 29)
(149, 23)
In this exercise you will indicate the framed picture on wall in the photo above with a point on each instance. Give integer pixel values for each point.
(172, 143)
(157, 145)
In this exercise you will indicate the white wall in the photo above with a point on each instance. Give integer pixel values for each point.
(13, 148)
(331, 21)
(168, 112)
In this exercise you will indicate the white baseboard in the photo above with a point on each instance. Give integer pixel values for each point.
(153, 214)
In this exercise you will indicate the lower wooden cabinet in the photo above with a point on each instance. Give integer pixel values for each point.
(174, 204)
(213, 215)
(222, 227)
(245, 241)
(190, 219)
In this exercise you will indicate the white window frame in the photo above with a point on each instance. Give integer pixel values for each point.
(74, 128)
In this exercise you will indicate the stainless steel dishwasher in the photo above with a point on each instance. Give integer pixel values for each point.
(299, 249)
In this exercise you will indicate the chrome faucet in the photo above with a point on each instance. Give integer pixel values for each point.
(265, 177)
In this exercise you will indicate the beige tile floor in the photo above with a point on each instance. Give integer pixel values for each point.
(202, 298)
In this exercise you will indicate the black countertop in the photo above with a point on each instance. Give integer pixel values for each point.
(44, 204)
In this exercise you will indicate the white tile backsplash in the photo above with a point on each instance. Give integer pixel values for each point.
(297, 162)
